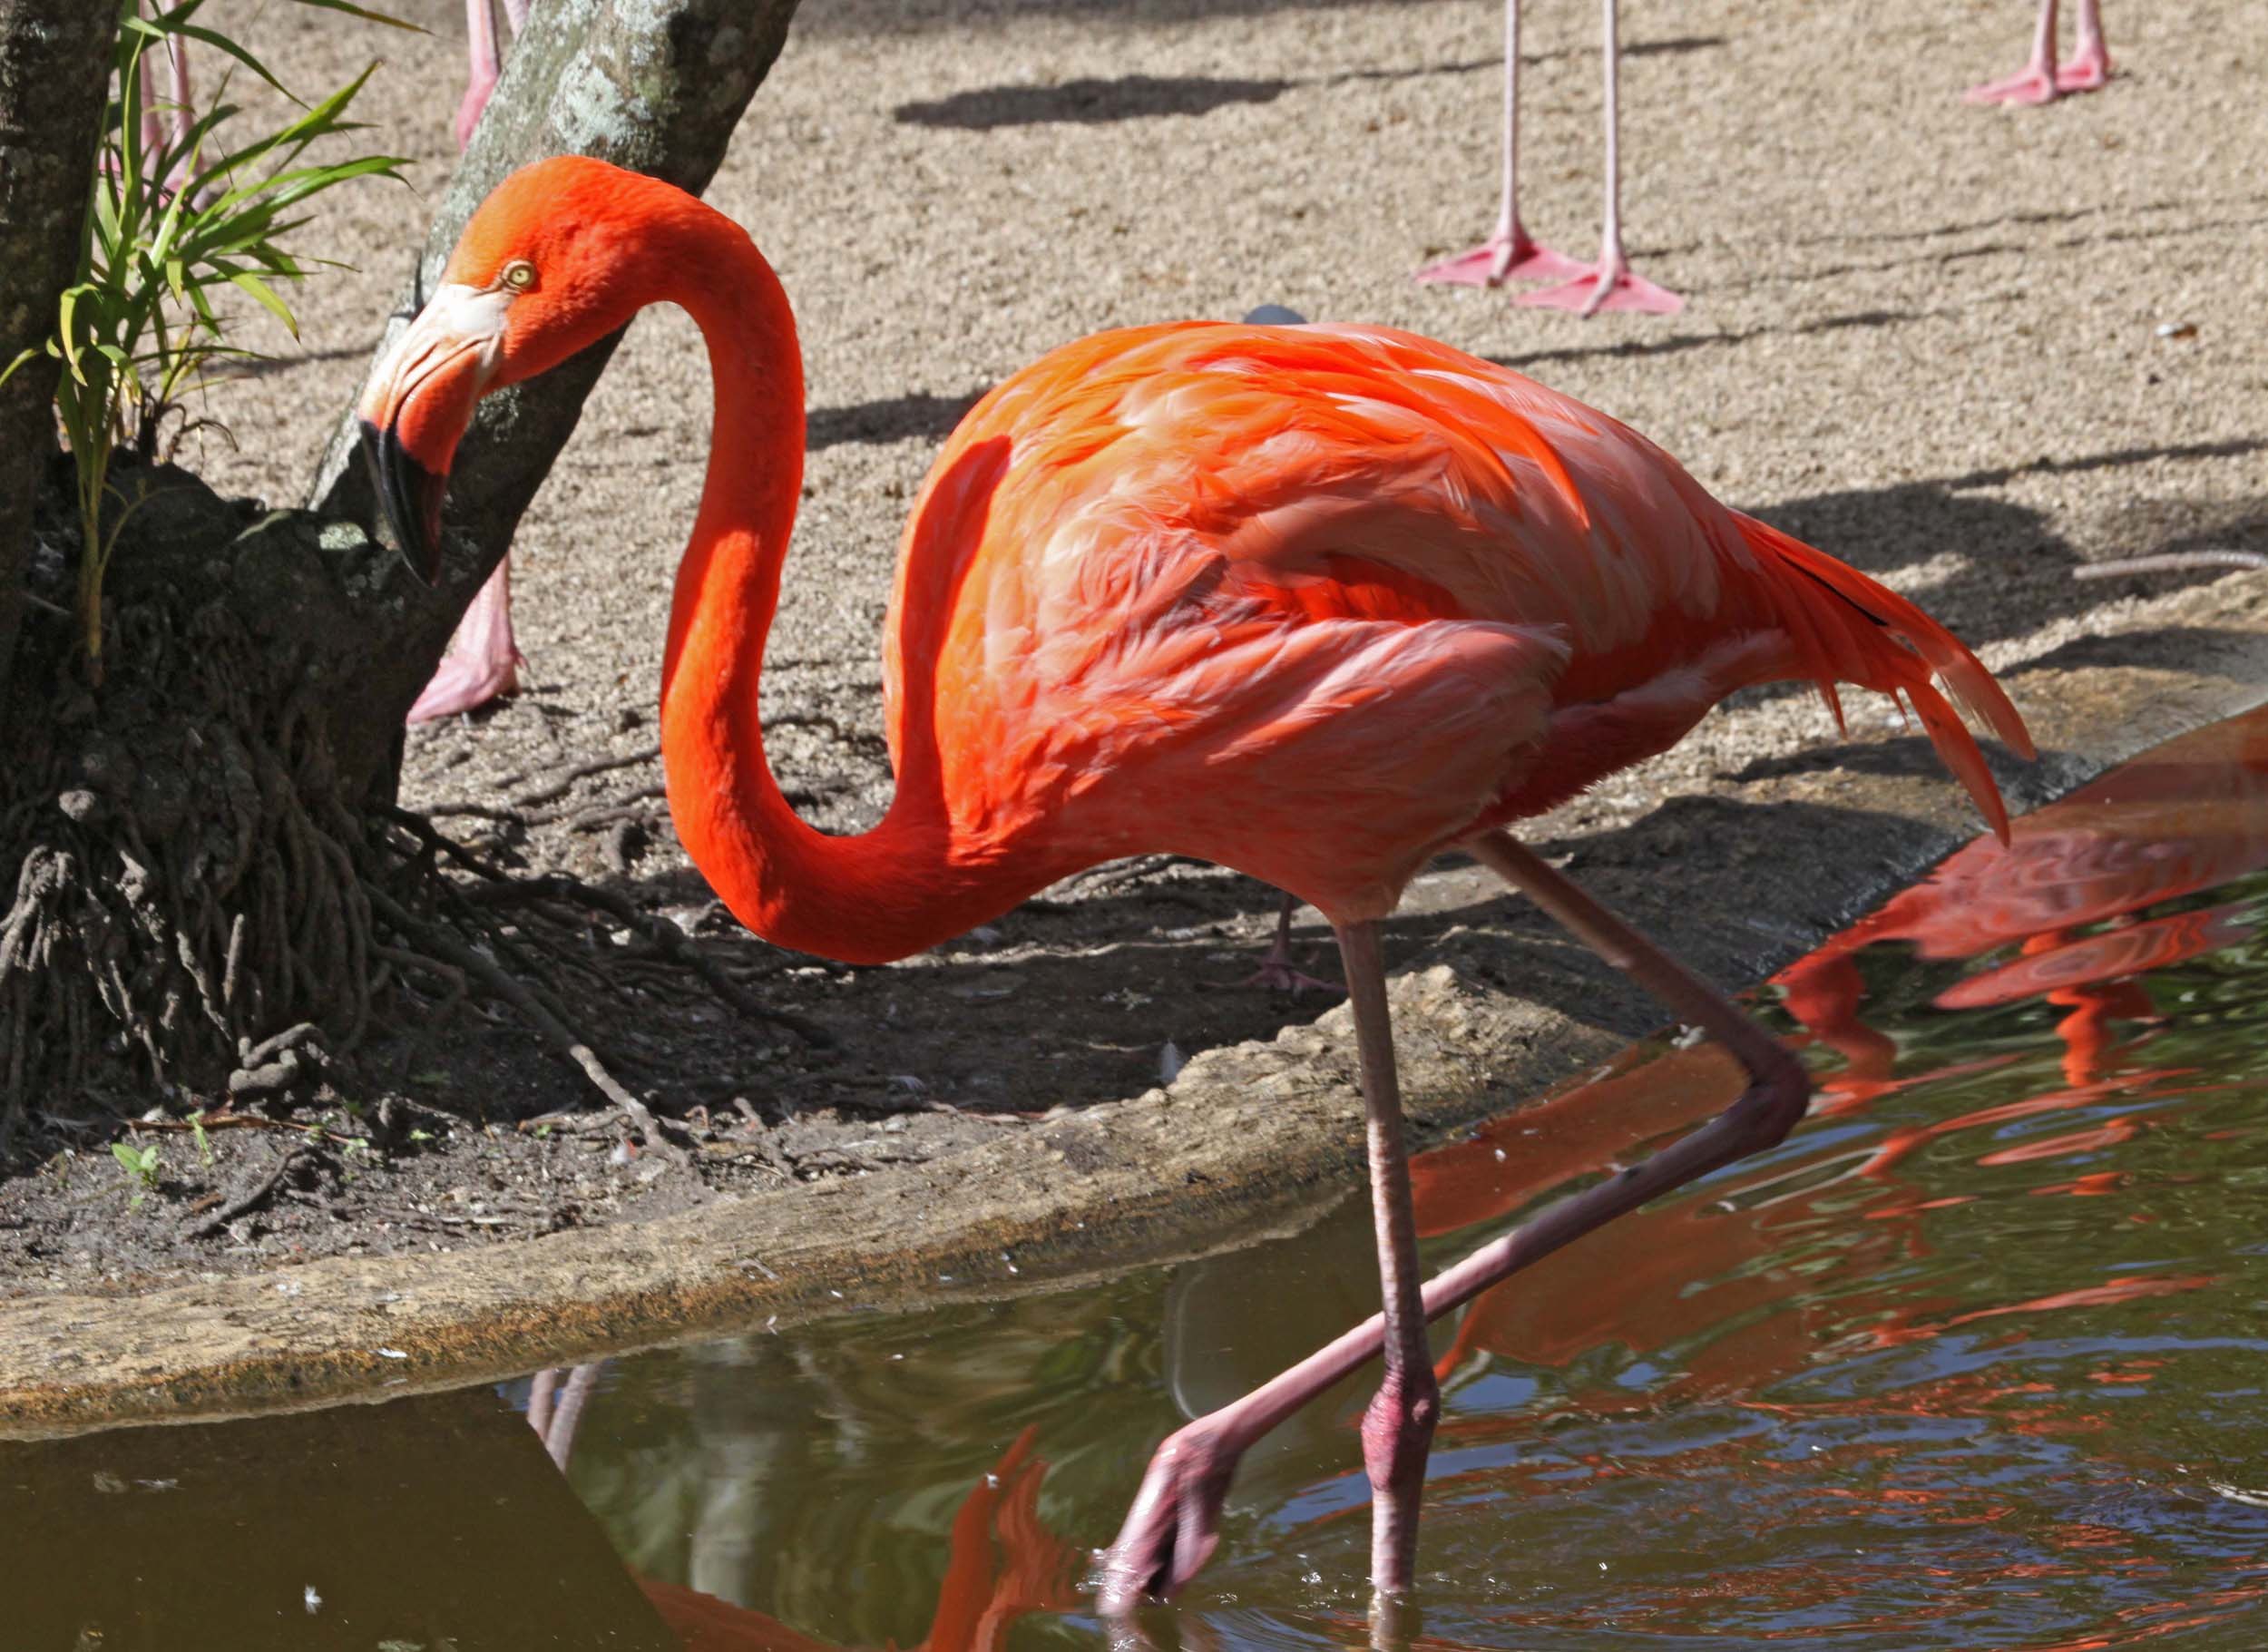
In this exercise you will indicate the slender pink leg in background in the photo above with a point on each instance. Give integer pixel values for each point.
(2039, 81)
(482, 661)
(1510, 253)
(483, 66)
(1610, 285)
(1173, 1523)
(1276, 972)
(2089, 66)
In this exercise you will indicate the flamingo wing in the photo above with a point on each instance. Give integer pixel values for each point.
(1386, 591)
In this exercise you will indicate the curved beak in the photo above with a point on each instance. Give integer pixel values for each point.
(418, 408)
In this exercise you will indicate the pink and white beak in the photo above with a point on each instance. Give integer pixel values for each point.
(419, 404)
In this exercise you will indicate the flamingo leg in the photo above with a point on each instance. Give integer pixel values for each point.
(1510, 252)
(1276, 972)
(482, 661)
(1610, 284)
(483, 66)
(1398, 1426)
(2039, 81)
(2088, 67)
(1173, 1523)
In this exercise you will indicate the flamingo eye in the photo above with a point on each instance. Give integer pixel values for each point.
(519, 274)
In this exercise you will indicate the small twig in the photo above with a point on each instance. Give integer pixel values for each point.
(2171, 562)
(582, 771)
(515, 992)
(258, 1195)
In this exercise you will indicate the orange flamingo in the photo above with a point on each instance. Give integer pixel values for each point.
(1312, 602)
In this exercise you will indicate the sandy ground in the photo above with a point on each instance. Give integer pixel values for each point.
(1961, 348)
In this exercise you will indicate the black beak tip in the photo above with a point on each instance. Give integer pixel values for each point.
(409, 498)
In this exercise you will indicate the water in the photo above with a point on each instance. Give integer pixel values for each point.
(1974, 1360)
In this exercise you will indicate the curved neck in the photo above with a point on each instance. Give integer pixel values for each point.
(865, 899)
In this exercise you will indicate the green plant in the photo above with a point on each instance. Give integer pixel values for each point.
(142, 1167)
(168, 233)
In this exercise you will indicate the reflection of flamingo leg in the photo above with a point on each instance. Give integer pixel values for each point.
(555, 1408)
(1173, 1524)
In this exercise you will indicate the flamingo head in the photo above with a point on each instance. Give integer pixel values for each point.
(561, 253)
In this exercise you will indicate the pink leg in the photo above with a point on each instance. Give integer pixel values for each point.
(1510, 253)
(480, 27)
(2039, 81)
(482, 661)
(1609, 285)
(1173, 1523)
(1275, 971)
(2088, 67)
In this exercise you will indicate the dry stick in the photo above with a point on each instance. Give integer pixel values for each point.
(2171, 562)
(582, 771)
(666, 936)
(259, 1195)
(500, 981)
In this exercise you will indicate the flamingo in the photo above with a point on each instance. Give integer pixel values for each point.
(484, 660)
(2040, 81)
(1312, 602)
(1510, 253)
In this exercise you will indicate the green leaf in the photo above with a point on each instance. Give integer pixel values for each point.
(260, 289)
(366, 15)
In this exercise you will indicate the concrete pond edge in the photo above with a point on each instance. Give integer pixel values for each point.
(1248, 1140)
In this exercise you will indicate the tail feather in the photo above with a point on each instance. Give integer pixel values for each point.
(1849, 628)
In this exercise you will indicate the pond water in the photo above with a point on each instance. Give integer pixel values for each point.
(1974, 1360)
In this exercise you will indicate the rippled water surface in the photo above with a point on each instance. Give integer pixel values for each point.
(1974, 1360)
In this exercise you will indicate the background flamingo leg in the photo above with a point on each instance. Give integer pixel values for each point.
(1510, 253)
(1276, 972)
(2088, 67)
(1174, 1522)
(482, 661)
(483, 66)
(2039, 81)
(1610, 284)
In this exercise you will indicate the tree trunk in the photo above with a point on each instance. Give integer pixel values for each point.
(657, 87)
(54, 69)
(207, 888)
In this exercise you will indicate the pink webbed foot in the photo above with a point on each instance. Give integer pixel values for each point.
(2088, 70)
(1278, 976)
(483, 663)
(1507, 255)
(1174, 1526)
(2032, 84)
(1610, 286)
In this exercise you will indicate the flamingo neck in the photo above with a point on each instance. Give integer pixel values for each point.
(865, 899)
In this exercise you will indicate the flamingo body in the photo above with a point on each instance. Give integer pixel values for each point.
(1379, 582)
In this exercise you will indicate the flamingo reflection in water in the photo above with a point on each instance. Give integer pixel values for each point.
(1003, 1564)
(2190, 816)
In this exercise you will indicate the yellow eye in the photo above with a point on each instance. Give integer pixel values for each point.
(519, 274)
